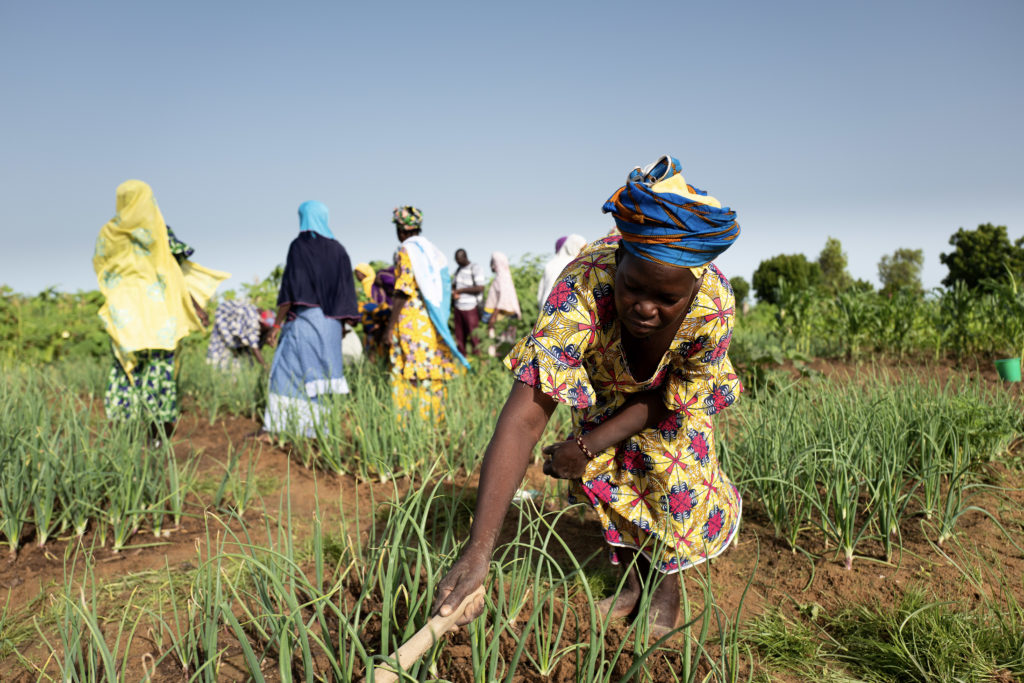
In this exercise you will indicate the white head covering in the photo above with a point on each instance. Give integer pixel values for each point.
(427, 265)
(502, 295)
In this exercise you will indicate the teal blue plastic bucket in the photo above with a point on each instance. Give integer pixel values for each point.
(1009, 369)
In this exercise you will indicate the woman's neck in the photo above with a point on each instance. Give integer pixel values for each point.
(643, 354)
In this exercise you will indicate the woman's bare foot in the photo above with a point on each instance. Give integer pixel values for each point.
(664, 609)
(658, 627)
(618, 606)
(623, 603)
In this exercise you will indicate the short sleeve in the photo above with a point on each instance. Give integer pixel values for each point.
(551, 356)
(405, 280)
(287, 292)
(701, 378)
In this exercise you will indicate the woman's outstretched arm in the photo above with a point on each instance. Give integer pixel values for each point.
(520, 425)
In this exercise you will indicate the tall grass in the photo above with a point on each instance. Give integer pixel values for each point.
(331, 608)
(833, 466)
(847, 463)
(361, 434)
(238, 391)
(64, 467)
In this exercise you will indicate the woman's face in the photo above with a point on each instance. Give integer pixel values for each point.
(650, 297)
(360, 275)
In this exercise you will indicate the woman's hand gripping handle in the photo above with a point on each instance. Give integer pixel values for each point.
(465, 576)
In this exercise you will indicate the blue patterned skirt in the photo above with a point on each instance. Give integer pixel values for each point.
(307, 365)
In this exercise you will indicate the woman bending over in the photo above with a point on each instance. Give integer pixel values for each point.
(633, 337)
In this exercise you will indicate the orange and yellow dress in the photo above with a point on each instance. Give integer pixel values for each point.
(421, 363)
(664, 484)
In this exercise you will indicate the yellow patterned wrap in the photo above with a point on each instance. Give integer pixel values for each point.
(148, 294)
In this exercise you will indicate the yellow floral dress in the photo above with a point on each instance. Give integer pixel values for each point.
(421, 363)
(663, 485)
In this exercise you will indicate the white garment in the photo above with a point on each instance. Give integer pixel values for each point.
(571, 248)
(351, 347)
(502, 296)
(427, 264)
(468, 276)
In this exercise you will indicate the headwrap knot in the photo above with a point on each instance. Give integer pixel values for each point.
(664, 219)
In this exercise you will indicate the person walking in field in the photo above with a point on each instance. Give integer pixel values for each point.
(317, 296)
(423, 352)
(634, 338)
(153, 297)
(467, 288)
(566, 249)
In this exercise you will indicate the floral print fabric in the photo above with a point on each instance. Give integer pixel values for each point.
(236, 327)
(151, 393)
(663, 485)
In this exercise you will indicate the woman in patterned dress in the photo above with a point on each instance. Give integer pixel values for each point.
(423, 352)
(633, 337)
(153, 297)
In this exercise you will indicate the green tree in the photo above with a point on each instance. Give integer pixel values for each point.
(526, 275)
(861, 286)
(832, 261)
(901, 271)
(793, 269)
(264, 292)
(983, 254)
(51, 325)
(740, 289)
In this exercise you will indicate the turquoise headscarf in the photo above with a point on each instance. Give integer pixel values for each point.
(313, 217)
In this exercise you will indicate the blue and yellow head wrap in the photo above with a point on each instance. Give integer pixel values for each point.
(665, 220)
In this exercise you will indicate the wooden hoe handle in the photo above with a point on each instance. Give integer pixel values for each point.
(423, 640)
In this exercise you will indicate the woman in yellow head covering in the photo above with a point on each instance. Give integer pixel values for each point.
(154, 297)
(364, 274)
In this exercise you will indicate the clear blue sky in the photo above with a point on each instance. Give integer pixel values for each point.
(885, 124)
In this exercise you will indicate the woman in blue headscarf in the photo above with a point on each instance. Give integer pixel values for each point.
(633, 337)
(317, 296)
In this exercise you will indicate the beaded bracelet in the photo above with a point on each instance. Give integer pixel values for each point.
(586, 451)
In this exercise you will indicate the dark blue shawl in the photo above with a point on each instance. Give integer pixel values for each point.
(318, 272)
